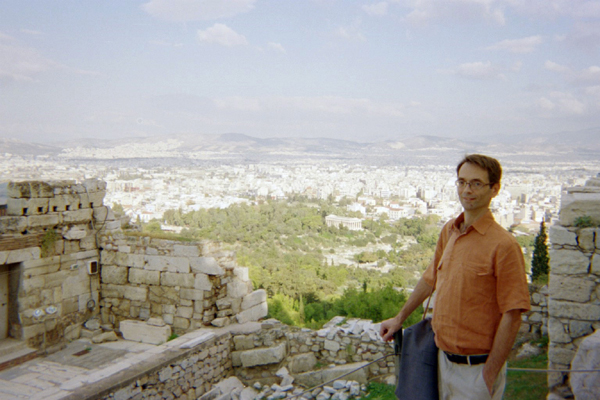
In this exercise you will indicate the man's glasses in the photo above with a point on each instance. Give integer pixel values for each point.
(474, 184)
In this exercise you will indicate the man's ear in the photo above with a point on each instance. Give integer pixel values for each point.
(495, 189)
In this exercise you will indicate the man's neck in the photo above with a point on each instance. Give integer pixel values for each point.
(471, 217)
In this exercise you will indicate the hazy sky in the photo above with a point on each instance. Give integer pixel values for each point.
(357, 70)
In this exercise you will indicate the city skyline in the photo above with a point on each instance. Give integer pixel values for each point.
(357, 70)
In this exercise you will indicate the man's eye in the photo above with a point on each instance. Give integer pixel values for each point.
(476, 184)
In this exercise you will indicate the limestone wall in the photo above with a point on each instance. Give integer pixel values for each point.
(535, 321)
(186, 376)
(341, 345)
(188, 285)
(574, 282)
(47, 241)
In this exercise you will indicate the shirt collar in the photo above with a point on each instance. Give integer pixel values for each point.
(481, 225)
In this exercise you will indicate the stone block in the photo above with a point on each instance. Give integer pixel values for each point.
(135, 293)
(103, 214)
(75, 284)
(181, 323)
(75, 232)
(314, 378)
(585, 237)
(568, 262)
(557, 332)
(243, 342)
(143, 277)
(96, 199)
(586, 385)
(138, 331)
(238, 289)
(20, 255)
(302, 363)
(202, 282)
(191, 294)
(580, 328)
(156, 263)
(175, 279)
(573, 289)
(241, 273)
(253, 314)
(186, 251)
(561, 236)
(577, 202)
(114, 274)
(254, 298)
(42, 221)
(184, 312)
(596, 264)
(77, 216)
(263, 356)
(206, 265)
(564, 309)
(112, 291)
(560, 355)
(15, 224)
(31, 331)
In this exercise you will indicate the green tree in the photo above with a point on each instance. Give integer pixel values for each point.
(540, 259)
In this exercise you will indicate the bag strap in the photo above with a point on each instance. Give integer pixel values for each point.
(431, 294)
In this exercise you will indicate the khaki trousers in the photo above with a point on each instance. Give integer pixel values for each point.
(465, 382)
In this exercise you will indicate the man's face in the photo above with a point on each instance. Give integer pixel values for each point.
(475, 199)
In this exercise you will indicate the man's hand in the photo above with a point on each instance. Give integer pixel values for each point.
(389, 327)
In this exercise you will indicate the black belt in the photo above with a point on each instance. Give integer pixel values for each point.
(470, 360)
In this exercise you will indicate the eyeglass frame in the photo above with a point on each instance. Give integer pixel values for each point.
(462, 184)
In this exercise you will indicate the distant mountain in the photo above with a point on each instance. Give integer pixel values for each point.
(241, 146)
(17, 147)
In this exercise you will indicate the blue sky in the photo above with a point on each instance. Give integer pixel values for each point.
(357, 70)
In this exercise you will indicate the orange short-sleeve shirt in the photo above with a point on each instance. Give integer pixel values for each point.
(480, 275)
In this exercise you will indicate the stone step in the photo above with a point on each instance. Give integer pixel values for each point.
(14, 352)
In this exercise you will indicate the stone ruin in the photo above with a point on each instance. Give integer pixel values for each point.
(66, 262)
(574, 294)
(69, 270)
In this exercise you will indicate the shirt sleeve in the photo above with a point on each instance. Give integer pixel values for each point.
(431, 271)
(511, 279)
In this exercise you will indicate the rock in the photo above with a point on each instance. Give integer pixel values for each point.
(105, 337)
(138, 331)
(248, 394)
(156, 321)
(92, 324)
(229, 385)
(586, 385)
(529, 350)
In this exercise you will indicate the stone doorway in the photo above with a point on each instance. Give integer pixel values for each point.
(8, 282)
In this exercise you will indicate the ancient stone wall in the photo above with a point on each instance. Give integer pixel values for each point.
(48, 240)
(535, 321)
(574, 282)
(188, 285)
(310, 355)
(186, 376)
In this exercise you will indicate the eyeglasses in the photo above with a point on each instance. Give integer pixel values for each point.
(474, 184)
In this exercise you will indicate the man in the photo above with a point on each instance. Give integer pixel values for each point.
(481, 289)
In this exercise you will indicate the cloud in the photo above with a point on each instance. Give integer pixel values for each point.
(18, 63)
(31, 32)
(589, 75)
(477, 70)
(196, 10)
(562, 103)
(425, 11)
(276, 46)
(165, 43)
(377, 9)
(223, 35)
(524, 45)
(552, 66)
(350, 33)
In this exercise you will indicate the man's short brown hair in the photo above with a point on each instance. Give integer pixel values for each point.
(491, 165)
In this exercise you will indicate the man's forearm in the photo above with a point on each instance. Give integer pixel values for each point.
(392, 325)
(503, 342)
(416, 298)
